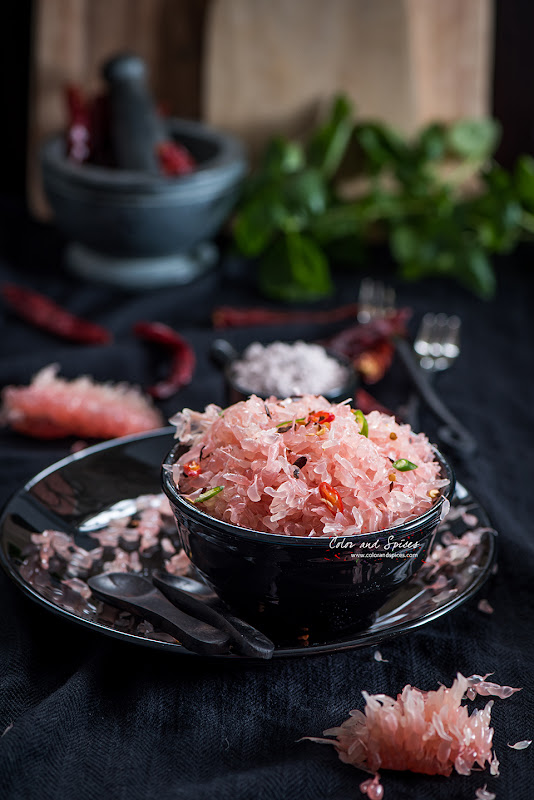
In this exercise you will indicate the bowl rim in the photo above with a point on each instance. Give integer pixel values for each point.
(432, 515)
(229, 157)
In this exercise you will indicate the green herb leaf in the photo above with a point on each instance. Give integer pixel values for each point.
(405, 244)
(381, 144)
(338, 223)
(478, 274)
(256, 224)
(432, 142)
(282, 156)
(328, 145)
(473, 138)
(524, 181)
(415, 194)
(304, 196)
(295, 269)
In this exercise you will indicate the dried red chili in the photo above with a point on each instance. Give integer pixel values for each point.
(375, 362)
(370, 346)
(192, 469)
(331, 497)
(183, 357)
(230, 317)
(44, 313)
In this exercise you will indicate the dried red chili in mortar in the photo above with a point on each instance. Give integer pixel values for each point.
(44, 313)
(183, 357)
(174, 159)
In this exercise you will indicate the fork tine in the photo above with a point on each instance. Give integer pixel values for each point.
(451, 340)
(422, 337)
(366, 300)
(437, 335)
(437, 341)
(367, 290)
(376, 300)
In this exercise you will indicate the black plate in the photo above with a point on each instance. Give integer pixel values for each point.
(70, 495)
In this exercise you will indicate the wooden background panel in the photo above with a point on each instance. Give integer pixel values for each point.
(178, 61)
(451, 48)
(271, 64)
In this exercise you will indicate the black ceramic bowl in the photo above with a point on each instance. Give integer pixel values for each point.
(225, 356)
(139, 230)
(292, 587)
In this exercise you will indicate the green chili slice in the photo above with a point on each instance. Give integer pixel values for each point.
(403, 465)
(362, 421)
(290, 422)
(207, 494)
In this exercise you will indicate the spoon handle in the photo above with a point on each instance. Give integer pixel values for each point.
(194, 634)
(247, 640)
(452, 432)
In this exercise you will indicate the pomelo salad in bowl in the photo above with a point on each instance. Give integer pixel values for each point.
(304, 515)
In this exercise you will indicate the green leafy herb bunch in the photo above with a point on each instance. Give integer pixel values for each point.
(439, 200)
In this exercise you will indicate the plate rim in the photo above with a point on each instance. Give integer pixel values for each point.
(367, 638)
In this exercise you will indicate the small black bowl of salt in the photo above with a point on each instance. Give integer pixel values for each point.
(284, 369)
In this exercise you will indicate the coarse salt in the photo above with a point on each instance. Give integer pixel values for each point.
(283, 369)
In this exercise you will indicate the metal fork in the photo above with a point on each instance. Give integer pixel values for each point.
(437, 342)
(375, 300)
(436, 347)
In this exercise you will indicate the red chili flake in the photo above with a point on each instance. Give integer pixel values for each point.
(192, 469)
(174, 159)
(331, 497)
(47, 315)
(321, 417)
(183, 357)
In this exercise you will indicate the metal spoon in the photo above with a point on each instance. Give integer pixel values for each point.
(138, 595)
(198, 599)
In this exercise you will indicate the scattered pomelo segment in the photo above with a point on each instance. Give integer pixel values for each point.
(52, 407)
(426, 732)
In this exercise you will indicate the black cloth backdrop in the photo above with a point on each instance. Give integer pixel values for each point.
(93, 717)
